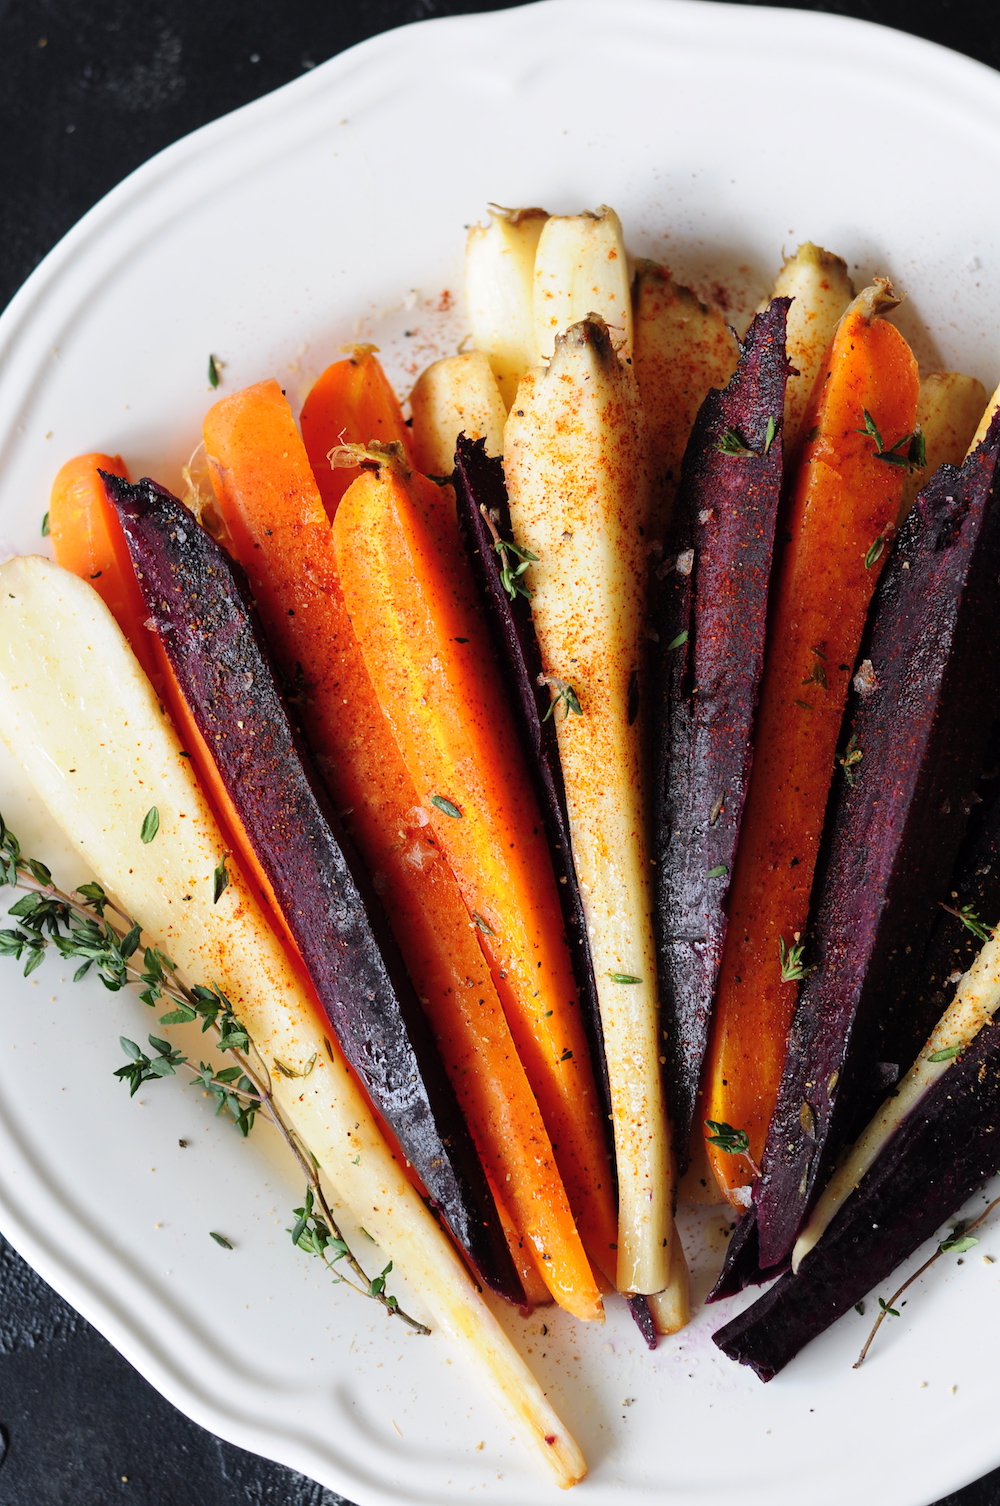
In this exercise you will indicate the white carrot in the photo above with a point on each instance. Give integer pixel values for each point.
(576, 472)
(457, 395)
(499, 290)
(581, 268)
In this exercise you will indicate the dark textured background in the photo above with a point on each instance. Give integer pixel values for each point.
(90, 90)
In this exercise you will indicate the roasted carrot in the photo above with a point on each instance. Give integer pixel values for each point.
(844, 503)
(434, 672)
(282, 537)
(87, 539)
(351, 403)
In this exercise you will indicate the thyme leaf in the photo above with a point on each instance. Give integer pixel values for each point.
(732, 1142)
(733, 443)
(514, 560)
(908, 453)
(446, 807)
(946, 1054)
(792, 966)
(220, 879)
(563, 695)
(150, 825)
(965, 913)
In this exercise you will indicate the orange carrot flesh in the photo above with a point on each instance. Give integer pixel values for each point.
(351, 403)
(88, 540)
(435, 677)
(281, 535)
(844, 503)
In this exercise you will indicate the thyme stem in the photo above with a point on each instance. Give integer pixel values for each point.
(885, 1308)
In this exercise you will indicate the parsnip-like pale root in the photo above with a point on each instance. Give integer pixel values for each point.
(576, 474)
(458, 395)
(682, 349)
(976, 1001)
(986, 420)
(844, 502)
(581, 268)
(84, 722)
(820, 290)
(671, 1308)
(949, 408)
(499, 291)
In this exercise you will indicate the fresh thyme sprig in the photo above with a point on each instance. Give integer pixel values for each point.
(317, 1235)
(733, 1142)
(913, 459)
(967, 915)
(509, 552)
(563, 695)
(733, 443)
(956, 1242)
(792, 966)
(77, 926)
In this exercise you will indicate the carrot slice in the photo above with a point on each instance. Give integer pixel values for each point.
(281, 535)
(87, 539)
(844, 504)
(433, 669)
(351, 403)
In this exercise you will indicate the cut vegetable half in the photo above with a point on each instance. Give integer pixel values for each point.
(576, 474)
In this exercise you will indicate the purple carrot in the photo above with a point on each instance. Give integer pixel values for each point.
(639, 1307)
(946, 1148)
(479, 484)
(918, 739)
(203, 614)
(741, 1267)
(710, 618)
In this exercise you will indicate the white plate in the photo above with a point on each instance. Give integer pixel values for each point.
(722, 134)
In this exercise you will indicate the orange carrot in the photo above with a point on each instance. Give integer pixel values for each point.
(282, 536)
(351, 403)
(88, 540)
(844, 503)
(436, 679)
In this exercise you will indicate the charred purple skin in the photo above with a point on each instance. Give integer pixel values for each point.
(638, 1306)
(715, 573)
(741, 1267)
(944, 1150)
(479, 482)
(203, 613)
(934, 641)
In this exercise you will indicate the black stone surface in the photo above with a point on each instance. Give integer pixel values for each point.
(89, 89)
